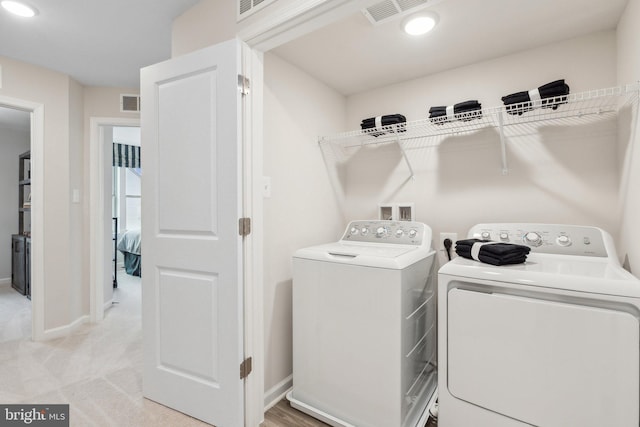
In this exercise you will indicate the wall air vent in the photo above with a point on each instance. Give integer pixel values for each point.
(247, 7)
(130, 103)
(388, 10)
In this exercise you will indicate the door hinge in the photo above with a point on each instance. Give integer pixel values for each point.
(244, 226)
(245, 368)
(244, 84)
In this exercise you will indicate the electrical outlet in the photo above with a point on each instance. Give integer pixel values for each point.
(452, 236)
(452, 251)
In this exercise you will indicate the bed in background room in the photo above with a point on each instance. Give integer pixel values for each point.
(129, 244)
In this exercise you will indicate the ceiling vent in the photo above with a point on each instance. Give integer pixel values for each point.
(388, 10)
(247, 7)
(130, 103)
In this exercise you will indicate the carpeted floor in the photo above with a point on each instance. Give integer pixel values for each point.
(97, 370)
(15, 315)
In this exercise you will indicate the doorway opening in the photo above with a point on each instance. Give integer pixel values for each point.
(15, 224)
(26, 197)
(126, 215)
(105, 205)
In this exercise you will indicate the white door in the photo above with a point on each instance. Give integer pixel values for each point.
(192, 282)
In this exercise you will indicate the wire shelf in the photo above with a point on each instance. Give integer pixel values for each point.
(570, 109)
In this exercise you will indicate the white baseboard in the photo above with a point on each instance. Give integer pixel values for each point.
(63, 331)
(5, 282)
(276, 393)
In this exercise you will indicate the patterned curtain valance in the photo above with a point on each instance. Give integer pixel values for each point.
(126, 156)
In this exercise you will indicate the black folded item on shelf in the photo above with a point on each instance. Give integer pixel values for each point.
(467, 110)
(494, 253)
(551, 96)
(372, 125)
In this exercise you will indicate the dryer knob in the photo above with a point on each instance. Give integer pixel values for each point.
(354, 230)
(413, 233)
(485, 235)
(399, 232)
(532, 238)
(504, 237)
(563, 240)
(381, 232)
(364, 231)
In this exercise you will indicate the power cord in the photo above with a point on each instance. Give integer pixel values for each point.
(447, 246)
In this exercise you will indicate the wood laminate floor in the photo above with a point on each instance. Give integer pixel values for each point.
(283, 415)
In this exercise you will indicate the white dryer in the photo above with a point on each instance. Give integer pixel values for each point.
(364, 333)
(553, 342)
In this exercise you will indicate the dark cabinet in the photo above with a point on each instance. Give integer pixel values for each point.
(21, 242)
(19, 263)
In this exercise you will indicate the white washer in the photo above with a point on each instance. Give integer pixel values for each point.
(553, 342)
(364, 334)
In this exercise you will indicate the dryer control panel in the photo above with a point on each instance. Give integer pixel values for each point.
(380, 231)
(549, 238)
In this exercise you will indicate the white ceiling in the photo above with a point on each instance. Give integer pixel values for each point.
(105, 43)
(354, 56)
(98, 43)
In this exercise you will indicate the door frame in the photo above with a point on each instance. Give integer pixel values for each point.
(265, 34)
(97, 219)
(37, 211)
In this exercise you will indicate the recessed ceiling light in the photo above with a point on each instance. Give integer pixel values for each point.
(20, 9)
(416, 25)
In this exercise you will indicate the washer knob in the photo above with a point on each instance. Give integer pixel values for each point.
(364, 231)
(412, 233)
(563, 240)
(486, 235)
(532, 238)
(399, 232)
(504, 236)
(353, 231)
(381, 232)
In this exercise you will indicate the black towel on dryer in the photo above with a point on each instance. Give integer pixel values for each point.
(494, 253)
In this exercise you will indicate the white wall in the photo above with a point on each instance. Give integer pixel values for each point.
(303, 209)
(628, 45)
(67, 108)
(102, 102)
(207, 23)
(78, 289)
(560, 174)
(458, 182)
(55, 92)
(13, 142)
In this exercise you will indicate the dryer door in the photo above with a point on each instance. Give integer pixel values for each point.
(545, 363)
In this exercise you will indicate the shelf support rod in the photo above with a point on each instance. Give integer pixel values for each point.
(503, 144)
(404, 154)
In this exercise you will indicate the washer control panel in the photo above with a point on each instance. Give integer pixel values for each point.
(549, 238)
(379, 231)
